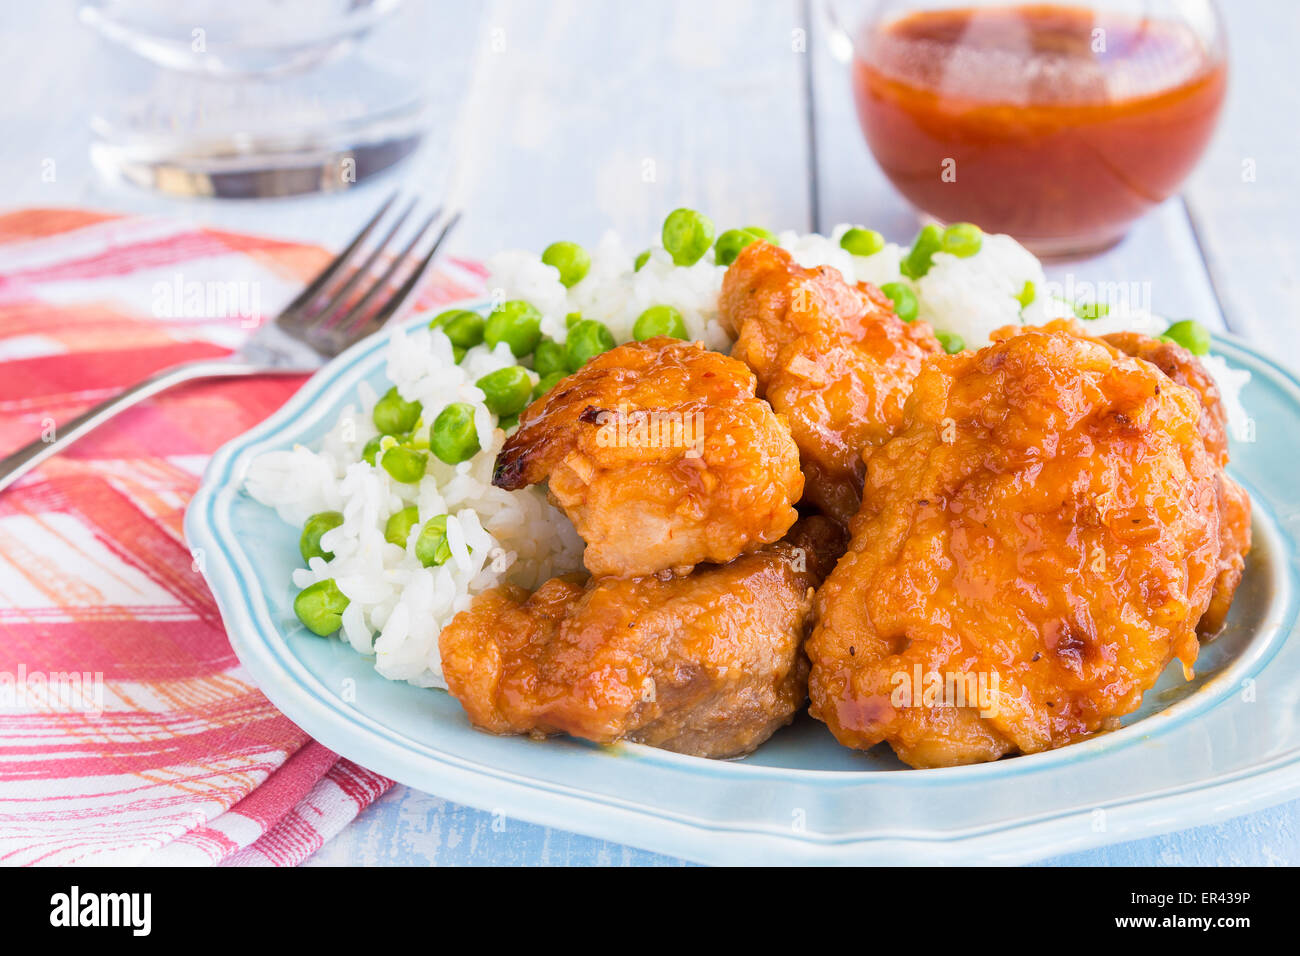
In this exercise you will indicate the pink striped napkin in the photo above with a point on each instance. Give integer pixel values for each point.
(129, 733)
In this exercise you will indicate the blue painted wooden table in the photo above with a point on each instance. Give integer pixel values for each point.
(561, 120)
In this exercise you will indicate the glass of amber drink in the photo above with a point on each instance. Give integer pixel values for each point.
(1059, 124)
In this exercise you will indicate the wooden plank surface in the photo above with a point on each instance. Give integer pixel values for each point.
(563, 119)
(586, 116)
(1244, 198)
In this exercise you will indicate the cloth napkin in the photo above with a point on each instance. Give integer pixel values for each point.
(129, 733)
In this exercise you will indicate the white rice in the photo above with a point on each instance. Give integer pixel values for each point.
(612, 292)
(973, 297)
(398, 607)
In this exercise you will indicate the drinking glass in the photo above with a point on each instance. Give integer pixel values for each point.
(248, 98)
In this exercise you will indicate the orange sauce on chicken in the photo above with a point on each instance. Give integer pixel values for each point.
(1052, 123)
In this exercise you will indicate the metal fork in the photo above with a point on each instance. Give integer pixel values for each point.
(324, 319)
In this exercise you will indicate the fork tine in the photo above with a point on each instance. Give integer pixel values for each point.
(290, 313)
(386, 311)
(358, 310)
(328, 317)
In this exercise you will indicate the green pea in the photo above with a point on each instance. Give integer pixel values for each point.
(458, 354)
(729, 245)
(687, 235)
(762, 233)
(549, 357)
(317, 525)
(507, 422)
(1027, 295)
(862, 242)
(952, 342)
(547, 383)
(963, 239)
(398, 527)
(918, 259)
(659, 320)
(372, 449)
(517, 324)
(1191, 335)
(453, 437)
(465, 329)
(320, 607)
(904, 299)
(404, 464)
(570, 258)
(586, 340)
(572, 319)
(507, 390)
(442, 318)
(1087, 311)
(432, 547)
(641, 260)
(393, 414)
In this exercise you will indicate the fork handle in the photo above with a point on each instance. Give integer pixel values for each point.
(13, 467)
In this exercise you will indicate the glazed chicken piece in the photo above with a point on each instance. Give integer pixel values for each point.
(662, 456)
(1184, 368)
(1036, 544)
(769, 301)
(1234, 504)
(707, 663)
(830, 356)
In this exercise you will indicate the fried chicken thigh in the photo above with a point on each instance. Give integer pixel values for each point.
(1184, 368)
(1234, 504)
(830, 356)
(662, 455)
(1045, 524)
(708, 663)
